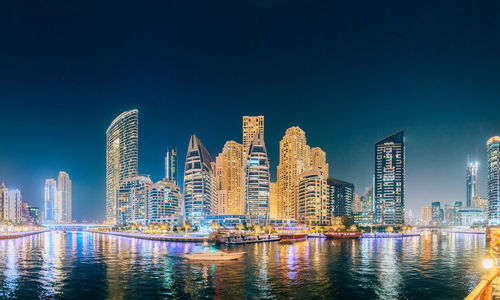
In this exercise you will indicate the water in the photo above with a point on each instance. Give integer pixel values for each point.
(82, 265)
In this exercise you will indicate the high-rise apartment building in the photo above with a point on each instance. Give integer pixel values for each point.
(51, 197)
(165, 201)
(122, 161)
(390, 179)
(426, 215)
(294, 160)
(273, 200)
(12, 205)
(480, 202)
(229, 167)
(251, 125)
(64, 201)
(437, 214)
(341, 196)
(132, 200)
(318, 161)
(257, 180)
(171, 164)
(199, 183)
(493, 148)
(311, 194)
(3, 190)
(471, 182)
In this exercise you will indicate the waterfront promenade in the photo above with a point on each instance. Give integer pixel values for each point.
(14, 235)
(159, 237)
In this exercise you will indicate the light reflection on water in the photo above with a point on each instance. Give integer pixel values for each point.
(53, 265)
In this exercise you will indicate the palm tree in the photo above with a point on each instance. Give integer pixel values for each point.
(353, 228)
(240, 227)
(257, 228)
(164, 226)
(269, 228)
(215, 225)
(389, 229)
(186, 225)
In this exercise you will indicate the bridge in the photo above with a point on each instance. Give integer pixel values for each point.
(75, 226)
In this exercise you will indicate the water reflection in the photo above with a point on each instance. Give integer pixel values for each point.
(53, 265)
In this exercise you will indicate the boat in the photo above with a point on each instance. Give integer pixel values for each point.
(343, 234)
(292, 237)
(214, 255)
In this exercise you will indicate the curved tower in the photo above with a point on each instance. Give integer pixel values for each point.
(122, 149)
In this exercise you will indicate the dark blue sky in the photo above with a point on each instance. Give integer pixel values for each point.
(347, 72)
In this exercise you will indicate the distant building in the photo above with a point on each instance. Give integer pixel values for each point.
(318, 161)
(471, 182)
(228, 221)
(426, 215)
(341, 195)
(229, 180)
(171, 164)
(122, 157)
(50, 201)
(35, 214)
(390, 179)
(449, 214)
(493, 147)
(3, 190)
(312, 198)
(64, 203)
(273, 200)
(471, 216)
(257, 181)
(437, 213)
(132, 200)
(251, 125)
(164, 201)
(481, 203)
(12, 206)
(199, 183)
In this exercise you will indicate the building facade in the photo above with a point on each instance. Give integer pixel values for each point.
(51, 194)
(64, 201)
(171, 164)
(471, 182)
(257, 181)
(341, 197)
(132, 200)
(493, 149)
(164, 201)
(426, 215)
(251, 125)
(3, 189)
(122, 157)
(312, 198)
(229, 171)
(12, 205)
(199, 183)
(273, 200)
(390, 179)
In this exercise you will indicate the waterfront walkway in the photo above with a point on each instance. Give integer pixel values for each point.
(15, 235)
(158, 237)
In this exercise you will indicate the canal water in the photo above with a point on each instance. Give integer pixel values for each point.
(83, 265)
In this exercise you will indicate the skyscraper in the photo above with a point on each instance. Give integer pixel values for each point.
(132, 200)
(273, 200)
(426, 215)
(341, 196)
(64, 202)
(50, 201)
(165, 200)
(471, 182)
(493, 147)
(390, 179)
(122, 150)
(251, 125)
(199, 183)
(230, 178)
(3, 190)
(437, 215)
(171, 164)
(318, 161)
(12, 205)
(294, 160)
(312, 198)
(257, 180)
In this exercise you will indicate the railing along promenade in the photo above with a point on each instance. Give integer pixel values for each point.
(14, 235)
(484, 290)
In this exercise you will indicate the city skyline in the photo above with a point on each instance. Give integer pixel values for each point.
(314, 72)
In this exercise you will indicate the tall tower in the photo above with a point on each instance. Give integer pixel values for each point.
(251, 125)
(122, 157)
(230, 178)
(50, 209)
(3, 195)
(390, 180)
(65, 201)
(493, 147)
(471, 182)
(171, 164)
(312, 198)
(257, 180)
(294, 160)
(318, 161)
(199, 183)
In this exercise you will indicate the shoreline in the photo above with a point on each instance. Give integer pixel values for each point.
(15, 235)
(157, 237)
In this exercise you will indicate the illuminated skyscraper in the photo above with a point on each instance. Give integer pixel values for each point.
(294, 160)
(257, 179)
(63, 209)
(165, 200)
(251, 125)
(50, 201)
(390, 180)
(426, 214)
(12, 205)
(312, 198)
(493, 146)
(471, 182)
(171, 164)
(341, 197)
(132, 200)
(273, 200)
(230, 178)
(318, 161)
(3, 190)
(122, 148)
(199, 183)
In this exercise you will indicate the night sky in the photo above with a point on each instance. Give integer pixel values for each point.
(348, 73)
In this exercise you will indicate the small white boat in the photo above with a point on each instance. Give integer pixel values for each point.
(217, 255)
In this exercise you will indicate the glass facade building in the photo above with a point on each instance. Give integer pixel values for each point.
(390, 180)
(471, 182)
(132, 200)
(257, 182)
(64, 203)
(199, 183)
(493, 148)
(50, 201)
(122, 150)
(164, 201)
(341, 196)
(312, 198)
(171, 164)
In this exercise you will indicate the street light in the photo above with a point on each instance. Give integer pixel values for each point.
(488, 261)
